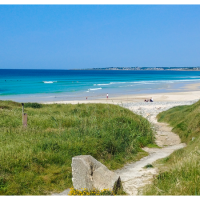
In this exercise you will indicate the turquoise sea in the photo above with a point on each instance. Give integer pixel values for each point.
(56, 85)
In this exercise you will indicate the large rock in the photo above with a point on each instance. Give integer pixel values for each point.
(89, 173)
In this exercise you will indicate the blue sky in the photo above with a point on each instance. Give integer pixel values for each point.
(87, 36)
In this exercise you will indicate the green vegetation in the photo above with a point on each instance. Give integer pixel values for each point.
(153, 146)
(94, 192)
(180, 172)
(117, 190)
(148, 166)
(33, 105)
(36, 160)
(86, 192)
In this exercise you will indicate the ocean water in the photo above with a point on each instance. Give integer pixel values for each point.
(55, 85)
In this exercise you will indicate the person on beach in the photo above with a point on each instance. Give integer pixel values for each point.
(107, 95)
(151, 99)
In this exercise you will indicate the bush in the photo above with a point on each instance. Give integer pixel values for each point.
(32, 105)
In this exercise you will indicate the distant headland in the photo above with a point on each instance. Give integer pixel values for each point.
(147, 68)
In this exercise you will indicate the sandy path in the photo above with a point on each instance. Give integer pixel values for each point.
(134, 175)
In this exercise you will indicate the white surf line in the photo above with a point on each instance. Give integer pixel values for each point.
(134, 175)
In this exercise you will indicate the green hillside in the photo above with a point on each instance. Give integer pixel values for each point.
(37, 160)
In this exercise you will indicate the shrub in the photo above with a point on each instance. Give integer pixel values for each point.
(32, 105)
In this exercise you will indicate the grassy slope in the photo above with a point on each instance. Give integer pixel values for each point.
(180, 174)
(37, 159)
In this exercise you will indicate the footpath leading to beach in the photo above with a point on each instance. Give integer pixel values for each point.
(134, 175)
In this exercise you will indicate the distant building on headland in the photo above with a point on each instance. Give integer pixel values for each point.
(147, 68)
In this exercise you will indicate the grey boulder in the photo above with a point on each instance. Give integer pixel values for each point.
(89, 173)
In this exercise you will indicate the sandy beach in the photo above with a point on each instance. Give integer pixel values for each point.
(190, 92)
(159, 97)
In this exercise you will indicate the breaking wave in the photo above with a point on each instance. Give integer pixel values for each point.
(49, 81)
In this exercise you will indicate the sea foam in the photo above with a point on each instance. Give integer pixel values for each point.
(95, 89)
(49, 81)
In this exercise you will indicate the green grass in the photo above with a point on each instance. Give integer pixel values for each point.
(180, 172)
(36, 160)
(148, 166)
(153, 146)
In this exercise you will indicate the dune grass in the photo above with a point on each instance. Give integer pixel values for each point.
(180, 172)
(36, 160)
